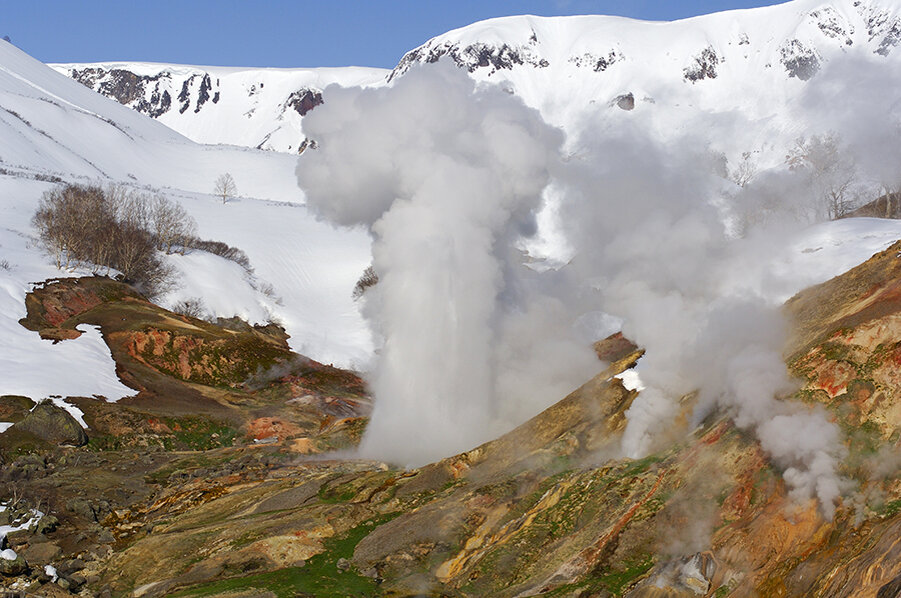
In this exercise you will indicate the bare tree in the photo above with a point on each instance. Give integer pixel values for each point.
(72, 221)
(172, 226)
(831, 171)
(89, 227)
(745, 171)
(225, 187)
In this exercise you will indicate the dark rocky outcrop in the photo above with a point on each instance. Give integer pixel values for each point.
(597, 63)
(204, 93)
(52, 423)
(472, 57)
(799, 60)
(625, 101)
(304, 100)
(703, 67)
(13, 567)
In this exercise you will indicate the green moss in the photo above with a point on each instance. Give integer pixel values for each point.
(104, 442)
(618, 581)
(198, 434)
(889, 509)
(638, 466)
(836, 352)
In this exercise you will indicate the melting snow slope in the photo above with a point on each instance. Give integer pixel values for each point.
(51, 126)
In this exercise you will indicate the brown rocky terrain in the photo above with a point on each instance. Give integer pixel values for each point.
(203, 485)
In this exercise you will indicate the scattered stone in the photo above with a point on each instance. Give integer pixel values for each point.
(76, 581)
(42, 553)
(625, 101)
(106, 537)
(343, 564)
(70, 566)
(17, 538)
(82, 508)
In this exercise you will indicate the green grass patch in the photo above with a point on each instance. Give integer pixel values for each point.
(889, 509)
(198, 434)
(319, 577)
(617, 582)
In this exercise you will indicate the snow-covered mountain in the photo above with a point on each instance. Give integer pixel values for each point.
(53, 129)
(748, 66)
(259, 108)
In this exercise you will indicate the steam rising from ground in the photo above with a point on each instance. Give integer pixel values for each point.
(644, 229)
(448, 177)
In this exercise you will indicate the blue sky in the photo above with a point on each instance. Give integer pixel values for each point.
(280, 33)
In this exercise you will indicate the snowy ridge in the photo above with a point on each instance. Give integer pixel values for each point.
(253, 107)
(751, 64)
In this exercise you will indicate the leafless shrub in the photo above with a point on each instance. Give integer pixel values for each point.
(746, 170)
(831, 172)
(5, 265)
(223, 250)
(172, 226)
(192, 307)
(86, 226)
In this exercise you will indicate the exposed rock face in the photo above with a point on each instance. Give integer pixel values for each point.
(304, 100)
(144, 93)
(53, 424)
(180, 96)
(882, 27)
(799, 60)
(598, 64)
(703, 66)
(473, 57)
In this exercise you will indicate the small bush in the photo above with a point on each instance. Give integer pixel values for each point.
(223, 250)
(5, 265)
(192, 307)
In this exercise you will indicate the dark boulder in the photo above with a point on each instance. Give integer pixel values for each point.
(53, 424)
(13, 567)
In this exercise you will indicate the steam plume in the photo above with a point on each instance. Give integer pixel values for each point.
(643, 224)
(447, 177)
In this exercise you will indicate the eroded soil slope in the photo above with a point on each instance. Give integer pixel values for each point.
(548, 509)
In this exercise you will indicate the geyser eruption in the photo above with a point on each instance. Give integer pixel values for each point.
(446, 176)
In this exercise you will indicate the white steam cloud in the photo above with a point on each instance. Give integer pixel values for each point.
(448, 177)
(642, 222)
